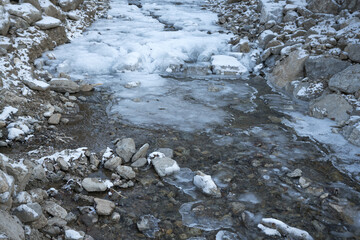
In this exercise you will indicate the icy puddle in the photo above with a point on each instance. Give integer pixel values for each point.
(171, 75)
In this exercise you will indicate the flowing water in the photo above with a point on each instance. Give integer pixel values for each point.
(161, 63)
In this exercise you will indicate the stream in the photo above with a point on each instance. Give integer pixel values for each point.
(173, 81)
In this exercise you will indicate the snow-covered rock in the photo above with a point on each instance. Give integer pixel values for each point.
(285, 230)
(206, 184)
(71, 234)
(165, 166)
(50, 9)
(48, 23)
(67, 5)
(26, 11)
(227, 65)
(28, 212)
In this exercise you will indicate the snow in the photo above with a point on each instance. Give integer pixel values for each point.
(205, 183)
(7, 112)
(72, 234)
(107, 154)
(49, 21)
(269, 231)
(23, 197)
(286, 229)
(67, 155)
(174, 168)
(14, 133)
(155, 155)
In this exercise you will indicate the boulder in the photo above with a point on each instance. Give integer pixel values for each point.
(28, 212)
(64, 85)
(50, 9)
(321, 67)
(347, 81)
(68, 5)
(55, 209)
(354, 52)
(125, 148)
(125, 172)
(113, 163)
(11, 226)
(333, 106)
(165, 166)
(104, 207)
(265, 37)
(271, 10)
(4, 21)
(141, 153)
(95, 184)
(289, 69)
(323, 6)
(35, 3)
(26, 11)
(35, 84)
(139, 163)
(48, 23)
(21, 174)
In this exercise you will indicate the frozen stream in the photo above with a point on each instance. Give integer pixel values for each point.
(169, 70)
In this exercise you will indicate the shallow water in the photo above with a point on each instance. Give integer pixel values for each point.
(155, 63)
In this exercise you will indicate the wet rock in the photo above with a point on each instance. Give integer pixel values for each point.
(139, 163)
(55, 119)
(125, 148)
(323, 6)
(324, 67)
(68, 5)
(28, 212)
(48, 23)
(4, 21)
(289, 69)
(347, 81)
(148, 225)
(26, 11)
(206, 184)
(141, 153)
(71, 234)
(333, 106)
(104, 207)
(55, 209)
(64, 85)
(295, 174)
(113, 163)
(353, 52)
(126, 172)
(11, 226)
(165, 166)
(95, 185)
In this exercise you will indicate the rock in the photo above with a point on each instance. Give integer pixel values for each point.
(284, 229)
(141, 153)
(71, 234)
(168, 152)
(38, 195)
(139, 163)
(4, 186)
(125, 172)
(64, 85)
(352, 133)
(104, 207)
(237, 207)
(291, 16)
(62, 163)
(26, 11)
(36, 84)
(265, 37)
(4, 22)
(48, 23)
(22, 198)
(40, 223)
(113, 163)
(39, 173)
(295, 174)
(55, 209)
(68, 5)
(354, 52)
(28, 212)
(95, 184)
(21, 174)
(226, 65)
(148, 225)
(206, 184)
(125, 148)
(323, 67)
(165, 166)
(35, 3)
(55, 119)
(347, 81)
(290, 69)
(115, 217)
(333, 106)
(304, 183)
(11, 226)
(50, 9)
(271, 10)
(323, 6)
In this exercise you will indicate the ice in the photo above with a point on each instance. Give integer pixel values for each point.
(249, 197)
(184, 181)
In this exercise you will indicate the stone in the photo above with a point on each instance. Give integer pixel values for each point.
(37, 85)
(333, 106)
(226, 65)
(139, 163)
(38, 195)
(115, 217)
(71, 234)
(168, 152)
(271, 10)
(323, 6)
(347, 81)
(141, 153)
(353, 51)
(64, 85)
(35, 3)
(48, 23)
(304, 183)
(20, 173)
(55, 209)
(148, 225)
(55, 119)
(125, 148)
(4, 186)
(295, 174)
(289, 69)
(104, 207)
(39, 223)
(265, 37)
(206, 184)
(165, 166)
(125, 172)
(4, 21)
(39, 173)
(95, 185)
(25, 10)
(62, 163)
(68, 5)
(321, 67)
(22, 198)
(237, 207)
(291, 16)
(28, 212)
(113, 163)
(11, 226)
(352, 133)
(50, 9)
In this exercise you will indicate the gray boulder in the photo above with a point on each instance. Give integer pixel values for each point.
(29, 212)
(112, 163)
(55, 209)
(347, 81)
(26, 11)
(354, 52)
(125, 172)
(4, 21)
(104, 207)
(11, 226)
(54, 119)
(35, 3)
(323, 6)
(139, 163)
(141, 153)
(64, 85)
(94, 185)
(333, 106)
(125, 148)
(165, 166)
(321, 67)
(68, 5)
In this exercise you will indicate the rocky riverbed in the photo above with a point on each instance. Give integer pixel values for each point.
(69, 169)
